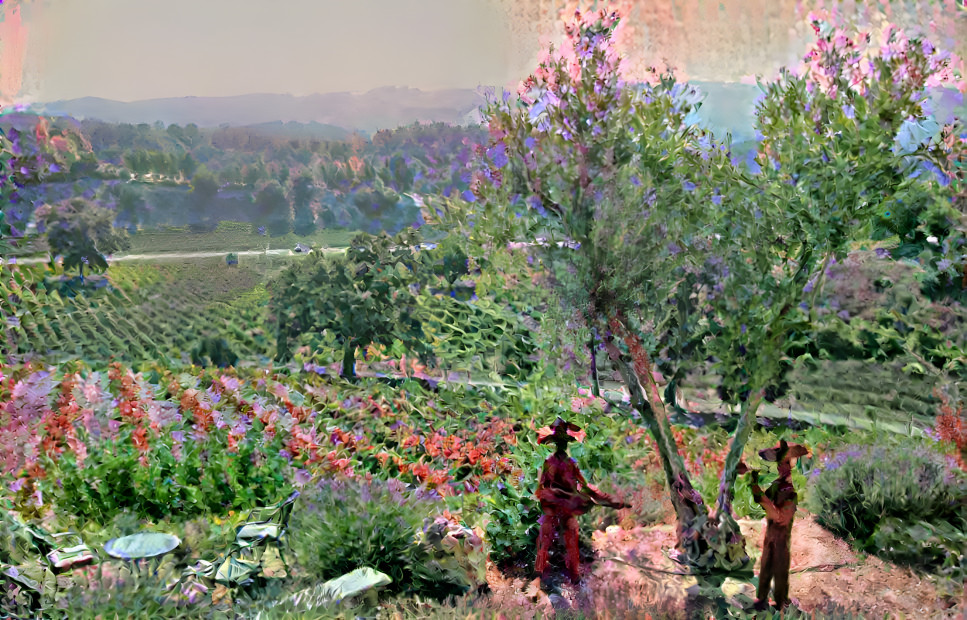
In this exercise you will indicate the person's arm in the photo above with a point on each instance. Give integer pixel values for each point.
(545, 479)
(762, 499)
(602, 499)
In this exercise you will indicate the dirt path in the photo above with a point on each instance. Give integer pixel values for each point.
(827, 578)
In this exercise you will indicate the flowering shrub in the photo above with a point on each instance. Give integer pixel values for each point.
(341, 525)
(903, 501)
(855, 129)
(951, 427)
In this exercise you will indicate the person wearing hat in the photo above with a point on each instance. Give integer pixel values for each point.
(779, 501)
(564, 494)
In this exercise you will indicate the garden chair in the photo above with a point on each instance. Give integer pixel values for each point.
(264, 527)
(59, 557)
(37, 580)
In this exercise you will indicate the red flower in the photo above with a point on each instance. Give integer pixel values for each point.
(140, 439)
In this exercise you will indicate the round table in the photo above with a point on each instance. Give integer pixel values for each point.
(142, 546)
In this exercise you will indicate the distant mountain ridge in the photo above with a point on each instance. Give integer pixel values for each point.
(381, 108)
(728, 107)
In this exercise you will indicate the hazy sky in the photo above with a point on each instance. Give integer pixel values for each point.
(138, 49)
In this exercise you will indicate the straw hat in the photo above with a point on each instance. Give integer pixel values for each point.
(560, 431)
(783, 452)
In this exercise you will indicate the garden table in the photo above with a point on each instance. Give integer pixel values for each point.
(142, 546)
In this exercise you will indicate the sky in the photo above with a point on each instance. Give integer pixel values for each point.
(139, 49)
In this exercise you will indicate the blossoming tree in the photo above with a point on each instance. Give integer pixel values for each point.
(665, 247)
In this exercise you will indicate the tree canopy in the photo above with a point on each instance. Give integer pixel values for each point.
(667, 248)
(81, 232)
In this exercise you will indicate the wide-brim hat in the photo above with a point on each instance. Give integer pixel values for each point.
(560, 430)
(783, 452)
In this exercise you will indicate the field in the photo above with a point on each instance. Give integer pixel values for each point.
(463, 454)
(142, 311)
(227, 237)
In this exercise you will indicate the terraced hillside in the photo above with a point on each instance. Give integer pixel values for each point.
(136, 312)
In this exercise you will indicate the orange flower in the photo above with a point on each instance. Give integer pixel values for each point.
(140, 439)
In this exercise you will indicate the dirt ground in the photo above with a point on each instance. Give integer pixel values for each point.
(827, 579)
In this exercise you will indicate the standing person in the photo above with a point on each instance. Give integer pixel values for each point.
(779, 501)
(564, 494)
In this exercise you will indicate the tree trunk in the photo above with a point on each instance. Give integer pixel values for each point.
(595, 383)
(704, 545)
(349, 359)
(689, 508)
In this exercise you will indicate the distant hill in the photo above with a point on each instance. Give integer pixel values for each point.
(382, 108)
(728, 107)
(293, 129)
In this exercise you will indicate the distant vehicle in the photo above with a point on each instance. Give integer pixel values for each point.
(301, 248)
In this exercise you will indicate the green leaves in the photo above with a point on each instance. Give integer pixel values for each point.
(82, 232)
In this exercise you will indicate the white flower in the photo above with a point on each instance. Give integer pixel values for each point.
(932, 240)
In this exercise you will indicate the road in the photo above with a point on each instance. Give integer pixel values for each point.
(177, 255)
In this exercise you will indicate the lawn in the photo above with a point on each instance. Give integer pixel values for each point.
(229, 237)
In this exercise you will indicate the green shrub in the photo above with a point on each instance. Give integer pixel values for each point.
(212, 351)
(902, 501)
(206, 478)
(341, 525)
(513, 526)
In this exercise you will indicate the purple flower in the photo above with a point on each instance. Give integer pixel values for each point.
(882, 253)
(849, 111)
(302, 477)
(717, 199)
(468, 196)
(688, 186)
(635, 180)
(178, 436)
(261, 230)
(673, 249)
(498, 156)
(944, 265)
(843, 314)
(536, 204)
(530, 142)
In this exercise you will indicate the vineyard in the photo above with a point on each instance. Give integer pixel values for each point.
(136, 313)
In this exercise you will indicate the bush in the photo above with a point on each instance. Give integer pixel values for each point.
(213, 351)
(903, 502)
(342, 525)
(205, 479)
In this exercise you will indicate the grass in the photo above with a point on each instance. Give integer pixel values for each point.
(229, 237)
